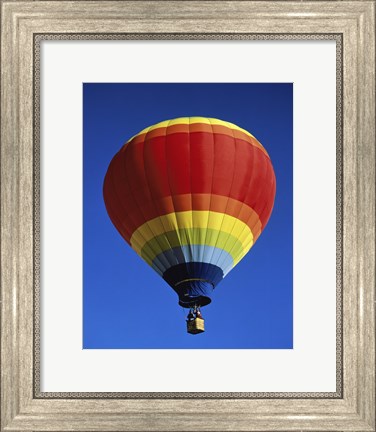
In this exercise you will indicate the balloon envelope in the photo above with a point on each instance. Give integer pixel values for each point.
(191, 196)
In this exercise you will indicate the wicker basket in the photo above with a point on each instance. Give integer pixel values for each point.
(196, 326)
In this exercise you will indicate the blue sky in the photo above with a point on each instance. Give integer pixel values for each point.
(125, 303)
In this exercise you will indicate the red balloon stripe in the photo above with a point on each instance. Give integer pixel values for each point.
(188, 171)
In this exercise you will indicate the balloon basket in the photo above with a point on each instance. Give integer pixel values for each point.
(196, 326)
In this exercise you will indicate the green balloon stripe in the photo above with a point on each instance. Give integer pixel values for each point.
(186, 236)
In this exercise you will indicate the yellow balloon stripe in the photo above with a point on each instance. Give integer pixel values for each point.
(192, 120)
(182, 221)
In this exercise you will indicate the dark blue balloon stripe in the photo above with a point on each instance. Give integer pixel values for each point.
(193, 282)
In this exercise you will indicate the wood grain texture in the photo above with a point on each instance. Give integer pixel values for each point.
(21, 410)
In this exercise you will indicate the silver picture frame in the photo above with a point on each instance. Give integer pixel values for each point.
(25, 24)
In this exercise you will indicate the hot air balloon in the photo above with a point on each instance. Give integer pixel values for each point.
(191, 196)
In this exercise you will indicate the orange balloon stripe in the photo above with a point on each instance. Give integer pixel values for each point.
(198, 127)
(191, 202)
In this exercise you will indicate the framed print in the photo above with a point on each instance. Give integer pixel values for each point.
(187, 215)
(272, 328)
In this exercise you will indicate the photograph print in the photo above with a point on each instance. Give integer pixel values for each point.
(188, 216)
